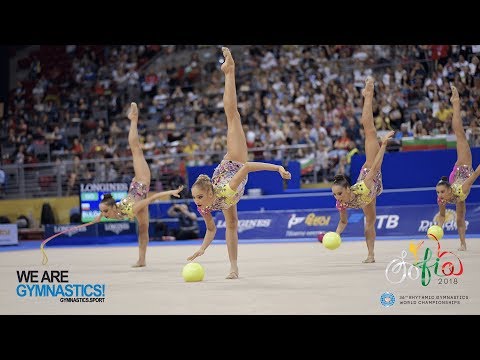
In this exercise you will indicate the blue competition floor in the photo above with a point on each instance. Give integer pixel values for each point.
(35, 244)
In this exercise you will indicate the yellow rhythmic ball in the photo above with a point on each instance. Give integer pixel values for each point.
(331, 240)
(435, 232)
(193, 272)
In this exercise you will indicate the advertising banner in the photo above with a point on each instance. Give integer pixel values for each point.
(8, 234)
(117, 228)
(406, 220)
(88, 231)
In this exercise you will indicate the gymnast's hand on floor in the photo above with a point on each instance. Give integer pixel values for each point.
(196, 254)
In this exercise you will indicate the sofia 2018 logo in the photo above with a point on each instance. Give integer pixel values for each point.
(444, 265)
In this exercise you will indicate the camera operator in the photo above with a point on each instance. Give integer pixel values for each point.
(188, 223)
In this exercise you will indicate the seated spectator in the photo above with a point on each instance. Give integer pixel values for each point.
(396, 116)
(77, 148)
(472, 133)
(429, 122)
(343, 167)
(403, 132)
(443, 113)
(115, 129)
(382, 122)
(23, 222)
(419, 130)
(321, 163)
(342, 145)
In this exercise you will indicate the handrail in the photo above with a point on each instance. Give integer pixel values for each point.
(152, 157)
(45, 179)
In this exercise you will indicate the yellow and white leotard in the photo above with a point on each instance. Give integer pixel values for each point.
(457, 178)
(224, 195)
(363, 195)
(137, 191)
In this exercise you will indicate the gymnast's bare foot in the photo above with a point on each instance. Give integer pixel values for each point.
(233, 273)
(133, 112)
(139, 264)
(367, 92)
(463, 247)
(455, 97)
(369, 259)
(229, 65)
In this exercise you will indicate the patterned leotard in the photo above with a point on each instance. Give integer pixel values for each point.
(363, 195)
(137, 191)
(224, 195)
(459, 174)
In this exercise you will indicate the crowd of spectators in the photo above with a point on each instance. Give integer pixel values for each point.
(297, 102)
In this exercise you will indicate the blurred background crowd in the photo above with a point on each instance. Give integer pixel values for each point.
(66, 111)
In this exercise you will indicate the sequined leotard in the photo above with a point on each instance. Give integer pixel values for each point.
(459, 174)
(224, 195)
(137, 191)
(363, 195)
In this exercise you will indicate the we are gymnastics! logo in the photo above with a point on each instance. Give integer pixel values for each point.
(445, 264)
(55, 283)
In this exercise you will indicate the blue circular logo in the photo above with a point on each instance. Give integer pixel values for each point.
(387, 299)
